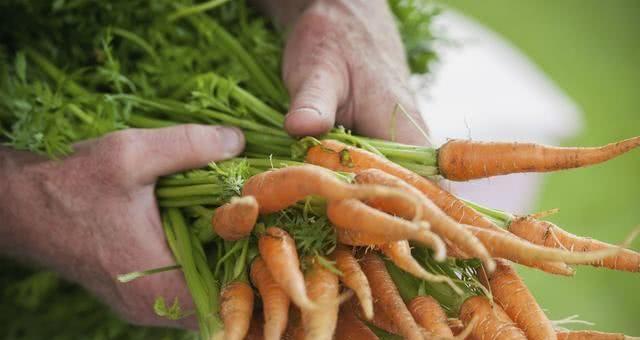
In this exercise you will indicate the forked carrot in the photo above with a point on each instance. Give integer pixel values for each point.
(463, 160)
(235, 220)
(385, 292)
(275, 302)
(549, 235)
(399, 252)
(350, 327)
(322, 286)
(592, 335)
(430, 316)
(493, 323)
(278, 250)
(338, 156)
(440, 222)
(510, 292)
(353, 278)
(355, 215)
(236, 308)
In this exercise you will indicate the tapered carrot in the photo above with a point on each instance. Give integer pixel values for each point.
(322, 286)
(236, 308)
(278, 189)
(386, 293)
(493, 323)
(551, 267)
(275, 302)
(430, 316)
(510, 292)
(278, 250)
(350, 327)
(358, 238)
(549, 235)
(355, 215)
(353, 278)
(592, 335)
(440, 222)
(399, 252)
(463, 160)
(235, 220)
(338, 156)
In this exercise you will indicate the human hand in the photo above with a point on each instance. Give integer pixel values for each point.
(344, 63)
(93, 215)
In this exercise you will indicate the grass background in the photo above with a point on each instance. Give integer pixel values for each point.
(591, 49)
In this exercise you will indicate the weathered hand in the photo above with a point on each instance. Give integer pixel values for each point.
(93, 215)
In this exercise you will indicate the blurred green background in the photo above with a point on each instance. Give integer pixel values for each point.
(591, 49)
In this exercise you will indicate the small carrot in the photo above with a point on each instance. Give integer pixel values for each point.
(440, 222)
(510, 292)
(236, 308)
(353, 278)
(322, 286)
(278, 250)
(275, 302)
(547, 234)
(355, 215)
(493, 323)
(338, 156)
(385, 292)
(430, 316)
(592, 335)
(350, 327)
(463, 160)
(235, 220)
(399, 252)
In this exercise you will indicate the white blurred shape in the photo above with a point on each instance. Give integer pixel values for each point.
(483, 88)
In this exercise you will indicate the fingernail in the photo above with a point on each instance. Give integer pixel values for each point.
(309, 112)
(232, 141)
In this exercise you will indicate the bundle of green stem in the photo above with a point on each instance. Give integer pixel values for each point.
(93, 68)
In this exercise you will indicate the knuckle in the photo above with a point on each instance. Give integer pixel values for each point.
(118, 150)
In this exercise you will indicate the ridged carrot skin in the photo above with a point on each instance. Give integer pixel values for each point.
(463, 160)
(275, 302)
(338, 156)
(353, 277)
(235, 220)
(350, 327)
(547, 234)
(430, 316)
(493, 323)
(510, 292)
(236, 309)
(592, 335)
(322, 286)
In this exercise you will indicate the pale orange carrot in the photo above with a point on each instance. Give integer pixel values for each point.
(322, 286)
(235, 220)
(350, 327)
(275, 302)
(549, 235)
(440, 222)
(399, 252)
(463, 160)
(430, 316)
(236, 308)
(355, 215)
(338, 156)
(510, 292)
(278, 250)
(592, 335)
(353, 278)
(492, 322)
(385, 292)
(358, 238)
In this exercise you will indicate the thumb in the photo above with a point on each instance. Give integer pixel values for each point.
(165, 151)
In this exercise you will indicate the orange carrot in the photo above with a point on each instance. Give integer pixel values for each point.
(551, 267)
(275, 302)
(255, 328)
(350, 327)
(278, 250)
(430, 316)
(386, 293)
(322, 285)
(493, 323)
(236, 307)
(235, 220)
(440, 222)
(355, 215)
(338, 156)
(463, 160)
(353, 278)
(592, 335)
(399, 252)
(358, 238)
(549, 235)
(510, 292)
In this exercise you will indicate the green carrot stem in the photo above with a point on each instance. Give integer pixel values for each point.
(136, 39)
(56, 74)
(422, 170)
(189, 201)
(128, 277)
(83, 116)
(145, 122)
(188, 191)
(267, 149)
(199, 8)
(172, 181)
(259, 138)
(503, 218)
